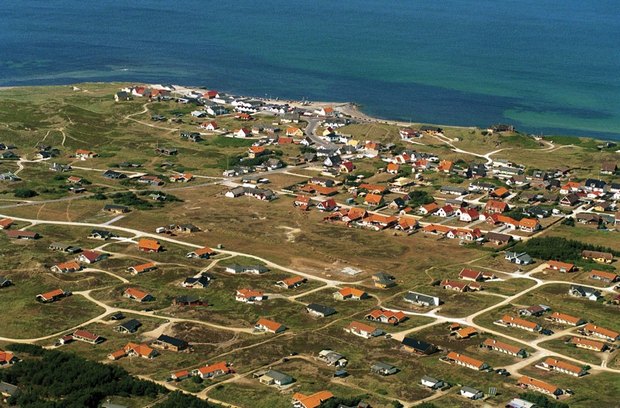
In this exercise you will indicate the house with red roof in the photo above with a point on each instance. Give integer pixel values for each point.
(496, 207)
(86, 337)
(563, 318)
(445, 211)
(392, 168)
(506, 348)
(51, 296)
(249, 296)
(211, 126)
(311, 401)
(560, 366)
(134, 350)
(5, 223)
(373, 200)
(84, 154)
(474, 275)
(460, 286)
(348, 293)
(468, 215)
(327, 205)
(607, 277)
(269, 326)
(591, 329)
(539, 386)
(363, 330)
(519, 323)
(201, 253)
(66, 267)
(142, 268)
(428, 208)
(378, 221)
(529, 224)
(149, 245)
(90, 257)
(292, 282)
(242, 133)
(466, 361)
(6, 358)
(347, 166)
(137, 295)
(561, 266)
(588, 344)
(180, 375)
(213, 370)
(386, 316)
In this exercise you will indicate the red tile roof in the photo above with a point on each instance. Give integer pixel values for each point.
(270, 325)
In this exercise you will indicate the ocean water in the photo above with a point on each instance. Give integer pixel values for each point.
(547, 66)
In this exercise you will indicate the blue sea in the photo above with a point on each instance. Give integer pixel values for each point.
(548, 66)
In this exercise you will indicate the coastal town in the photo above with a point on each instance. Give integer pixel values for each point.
(254, 252)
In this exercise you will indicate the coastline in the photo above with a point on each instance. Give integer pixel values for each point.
(352, 109)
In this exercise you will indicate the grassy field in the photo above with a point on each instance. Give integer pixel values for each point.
(31, 319)
(599, 387)
(123, 132)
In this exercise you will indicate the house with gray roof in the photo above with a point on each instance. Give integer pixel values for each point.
(273, 377)
(383, 368)
(319, 310)
(519, 258)
(422, 299)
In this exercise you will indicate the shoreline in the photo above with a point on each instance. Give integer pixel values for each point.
(352, 109)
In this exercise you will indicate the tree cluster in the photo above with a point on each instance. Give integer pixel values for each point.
(53, 379)
(557, 248)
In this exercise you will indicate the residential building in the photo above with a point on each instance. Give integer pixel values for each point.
(561, 266)
(87, 337)
(519, 258)
(142, 268)
(386, 316)
(384, 369)
(249, 296)
(432, 383)
(588, 344)
(332, 358)
(416, 346)
(149, 245)
(540, 386)
(165, 342)
(319, 310)
(269, 326)
(311, 401)
(383, 280)
(422, 299)
(585, 292)
(517, 322)
(137, 295)
(292, 282)
(597, 256)
(273, 377)
(506, 348)
(363, 330)
(607, 277)
(202, 253)
(470, 393)
(466, 361)
(348, 293)
(566, 319)
(130, 326)
(552, 364)
(212, 371)
(591, 329)
(193, 282)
